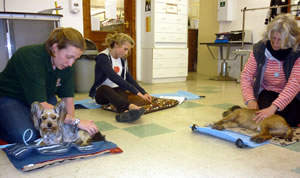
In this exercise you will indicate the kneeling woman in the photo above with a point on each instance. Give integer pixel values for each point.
(113, 80)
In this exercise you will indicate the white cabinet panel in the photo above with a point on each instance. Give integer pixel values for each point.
(173, 28)
(170, 37)
(170, 19)
(170, 53)
(183, 10)
(183, 2)
(162, 8)
(169, 72)
(169, 63)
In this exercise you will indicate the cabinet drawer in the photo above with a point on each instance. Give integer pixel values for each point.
(161, 18)
(170, 72)
(170, 53)
(183, 2)
(159, 63)
(173, 28)
(170, 37)
(182, 10)
(162, 8)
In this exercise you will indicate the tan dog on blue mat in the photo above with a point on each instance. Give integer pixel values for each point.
(274, 125)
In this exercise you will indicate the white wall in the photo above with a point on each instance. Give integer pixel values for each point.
(138, 38)
(254, 21)
(69, 19)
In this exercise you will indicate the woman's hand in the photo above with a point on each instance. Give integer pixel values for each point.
(252, 104)
(146, 96)
(264, 113)
(89, 126)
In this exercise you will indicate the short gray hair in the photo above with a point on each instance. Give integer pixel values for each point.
(287, 26)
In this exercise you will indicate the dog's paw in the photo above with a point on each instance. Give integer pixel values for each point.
(218, 127)
(258, 139)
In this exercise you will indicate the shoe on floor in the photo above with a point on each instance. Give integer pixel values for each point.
(130, 116)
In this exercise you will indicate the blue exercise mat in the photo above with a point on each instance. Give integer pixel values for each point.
(30, 157)
(239, 139)
(187, 95)
(86, 104)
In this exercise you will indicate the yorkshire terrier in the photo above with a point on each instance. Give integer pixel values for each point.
(53, 130)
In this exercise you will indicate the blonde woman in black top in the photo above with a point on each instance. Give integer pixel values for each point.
(113, 80)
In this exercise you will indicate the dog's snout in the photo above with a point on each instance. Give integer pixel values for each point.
(49, 125)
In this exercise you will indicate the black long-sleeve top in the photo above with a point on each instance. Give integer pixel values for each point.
(104, 70)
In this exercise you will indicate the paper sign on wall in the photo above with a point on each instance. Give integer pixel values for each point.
(148, 24)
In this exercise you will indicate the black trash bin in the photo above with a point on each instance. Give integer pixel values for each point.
(85, 67)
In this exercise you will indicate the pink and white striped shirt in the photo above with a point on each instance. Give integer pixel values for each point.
(273, 80)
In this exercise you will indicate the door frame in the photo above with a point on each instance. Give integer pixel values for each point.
(98, 37)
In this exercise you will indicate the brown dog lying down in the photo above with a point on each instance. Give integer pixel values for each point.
(274, 125)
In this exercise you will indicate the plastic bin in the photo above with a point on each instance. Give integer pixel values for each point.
(85, 67)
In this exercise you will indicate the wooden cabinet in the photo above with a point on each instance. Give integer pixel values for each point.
(164, 42)
(193, 49)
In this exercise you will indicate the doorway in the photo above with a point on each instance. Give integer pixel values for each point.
(97, 23)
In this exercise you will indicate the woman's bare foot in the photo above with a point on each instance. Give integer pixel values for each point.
(133, 107)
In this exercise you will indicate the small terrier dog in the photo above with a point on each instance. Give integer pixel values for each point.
(53, 130)
(274, 125)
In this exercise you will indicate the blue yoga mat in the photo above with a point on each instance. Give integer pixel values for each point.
(186, 94)
(30, 157)
(228, 135)
(86, 104)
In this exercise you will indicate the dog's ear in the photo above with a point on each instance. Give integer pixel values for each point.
(60, 109)
(230, 110)
(235, 107)
(36, 111)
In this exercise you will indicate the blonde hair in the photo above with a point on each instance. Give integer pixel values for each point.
(286, 25)
(117, 39)
(65, 37)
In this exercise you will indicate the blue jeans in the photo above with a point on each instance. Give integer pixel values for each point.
(15, 119)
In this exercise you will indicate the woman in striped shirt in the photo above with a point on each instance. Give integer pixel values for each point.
(270, 80)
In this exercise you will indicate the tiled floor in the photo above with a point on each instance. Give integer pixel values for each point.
(161, 144)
